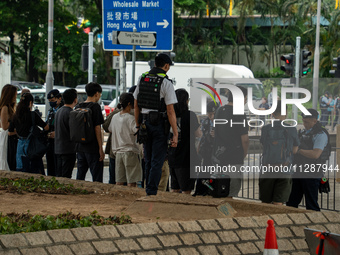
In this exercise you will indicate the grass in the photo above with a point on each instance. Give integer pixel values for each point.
(13, 223)
(18, 185)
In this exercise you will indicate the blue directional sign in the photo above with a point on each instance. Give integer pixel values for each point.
(155, 16)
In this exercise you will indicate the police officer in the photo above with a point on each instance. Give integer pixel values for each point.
(314, 149)
(324, 103)
(154, 100)
(206, 144)
(55, 99)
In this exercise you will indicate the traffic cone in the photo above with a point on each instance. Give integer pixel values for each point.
(270, 244)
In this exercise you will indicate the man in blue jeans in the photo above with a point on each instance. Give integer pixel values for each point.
(154, 99)
(314, 149)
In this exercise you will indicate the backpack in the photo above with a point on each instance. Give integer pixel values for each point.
(81, 125)
(277, 147)
(37, 141)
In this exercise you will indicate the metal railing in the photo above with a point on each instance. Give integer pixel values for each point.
(250, 184)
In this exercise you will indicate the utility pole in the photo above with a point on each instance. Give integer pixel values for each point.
(133, 61)
(90, 68)
(297, 73)
(316, 58)
(49, 75)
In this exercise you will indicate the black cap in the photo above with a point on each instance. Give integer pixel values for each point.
(165, 58)
(132, 89)
(53, 93)
(211, 107)
(313, 112)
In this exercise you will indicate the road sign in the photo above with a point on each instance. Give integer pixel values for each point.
(134, 38)
(145, 15)
(115, 64)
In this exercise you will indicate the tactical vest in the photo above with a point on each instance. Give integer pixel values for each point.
(306, 141)
(51, 117)
(150, 90)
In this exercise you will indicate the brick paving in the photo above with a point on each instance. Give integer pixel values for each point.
(242, 235)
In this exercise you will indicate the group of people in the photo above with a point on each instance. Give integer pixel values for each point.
(297, 154)
(153, 114)
(330, 110)
(18, 122)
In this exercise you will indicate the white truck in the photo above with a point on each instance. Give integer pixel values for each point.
(187, 75)
(5, 66)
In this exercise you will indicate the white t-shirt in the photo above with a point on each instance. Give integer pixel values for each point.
(123, 128)
(167, 92)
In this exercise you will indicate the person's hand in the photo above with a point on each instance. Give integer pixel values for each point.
(51, 135)
(174, 140)
(101, 154)
(212, 133)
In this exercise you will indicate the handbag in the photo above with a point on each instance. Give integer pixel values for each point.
(37, 141)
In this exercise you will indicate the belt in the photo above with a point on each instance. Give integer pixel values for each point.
(146, 116)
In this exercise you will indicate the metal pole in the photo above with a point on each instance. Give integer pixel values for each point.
(117, 86)
(316, 58)
(133, 61)
(49, 75)
(122, 68)
(90, 69)
(297, 73)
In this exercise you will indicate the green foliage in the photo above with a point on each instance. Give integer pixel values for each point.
(39, 185)
(13, 223)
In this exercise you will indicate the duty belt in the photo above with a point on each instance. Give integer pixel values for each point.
(161, 115)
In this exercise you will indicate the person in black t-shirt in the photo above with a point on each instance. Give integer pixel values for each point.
(65, 149)
(21, 124)
(179, 157)
(231, 141)
(91, 155)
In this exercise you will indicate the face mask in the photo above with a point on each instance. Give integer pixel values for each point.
(53, 104)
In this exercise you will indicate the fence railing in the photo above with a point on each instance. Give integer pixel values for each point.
(250, 184)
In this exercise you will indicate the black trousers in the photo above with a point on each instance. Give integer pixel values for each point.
(65, 164)
(51, 159)
(12, 152)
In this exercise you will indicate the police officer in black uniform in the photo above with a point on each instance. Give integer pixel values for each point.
(154, 99)
(55, 99)
(206, 145)
(314, 149)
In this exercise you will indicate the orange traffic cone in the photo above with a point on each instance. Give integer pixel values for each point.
(270, 244)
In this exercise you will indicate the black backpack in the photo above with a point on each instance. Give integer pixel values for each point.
(37, 141)
(277, 146)
(81, 125)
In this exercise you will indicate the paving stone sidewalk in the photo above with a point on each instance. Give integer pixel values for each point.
(240, 235)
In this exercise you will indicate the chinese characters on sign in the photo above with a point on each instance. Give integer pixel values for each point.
(146, 16)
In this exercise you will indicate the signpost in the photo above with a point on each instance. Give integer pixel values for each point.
(134, 38)
(149, 18)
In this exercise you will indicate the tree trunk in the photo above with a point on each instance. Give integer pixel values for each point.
(108, 66)
(32, 71)
(63, 70)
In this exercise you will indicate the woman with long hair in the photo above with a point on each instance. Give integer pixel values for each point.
(7, 109)
(185, 152)
(21, 124)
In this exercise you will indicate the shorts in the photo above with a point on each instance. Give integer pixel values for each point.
(128, 167)
(180, 179)
(275, 190)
